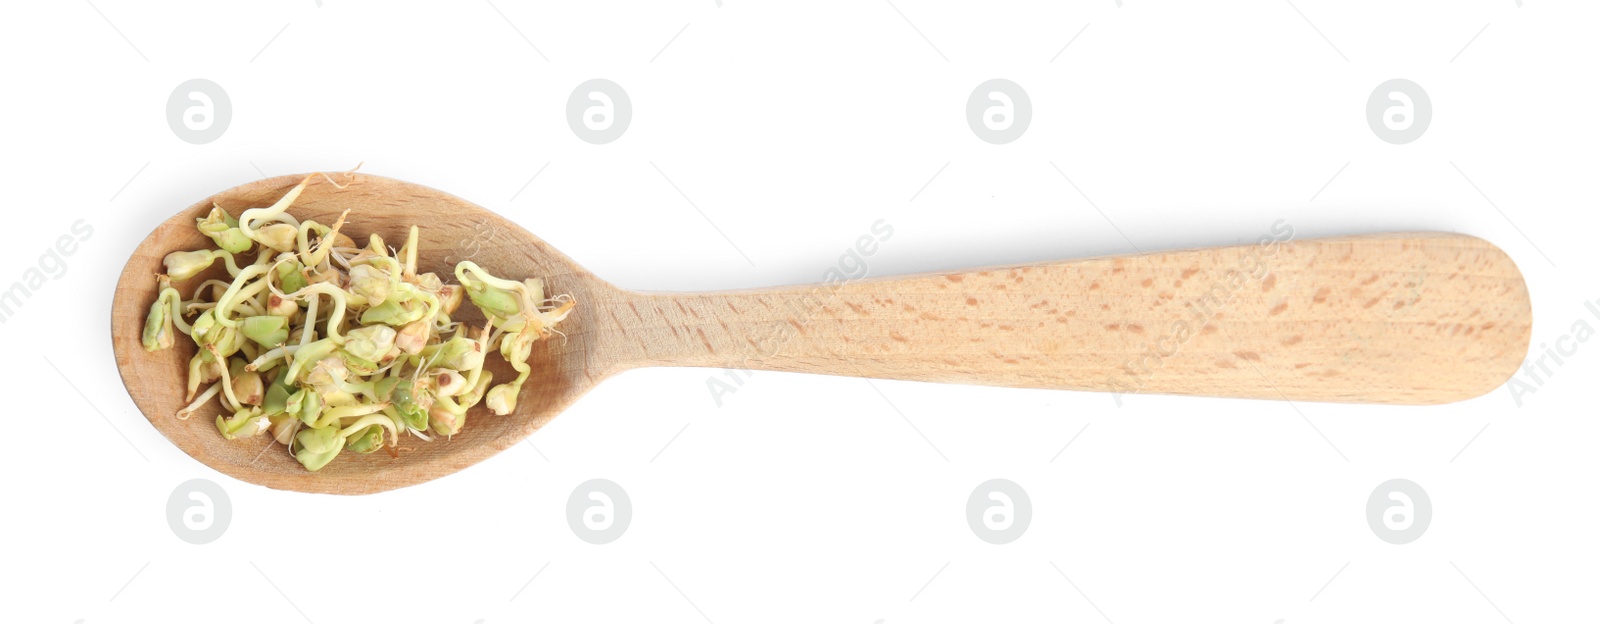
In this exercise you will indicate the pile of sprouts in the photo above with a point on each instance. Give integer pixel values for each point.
(326, 346)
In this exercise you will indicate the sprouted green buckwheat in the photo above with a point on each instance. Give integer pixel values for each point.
(328, 346)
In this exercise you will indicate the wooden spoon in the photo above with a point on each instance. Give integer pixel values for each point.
(1415, 318)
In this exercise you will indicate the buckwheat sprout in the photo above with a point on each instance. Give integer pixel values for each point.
(468, 266)
(410, 249)
(373, 283)
(309, 332)
(336, 317)
(227, 385)
(482, 347)
(228, 261)
(248, 219)
(275, 354)
(327, 235)
(303, 240)
(337, 414)
(368, 421)
(234, 289)
(217, 286)
(264, 222)
(199, 373)
(182, 265)
(169, 299)
(204, 397)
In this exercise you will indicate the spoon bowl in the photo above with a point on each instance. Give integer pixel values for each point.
(562, 368)
(1401, 318)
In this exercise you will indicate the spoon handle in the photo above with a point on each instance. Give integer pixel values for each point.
(1413, 318)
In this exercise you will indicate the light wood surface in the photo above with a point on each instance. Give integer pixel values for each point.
(1414, 318)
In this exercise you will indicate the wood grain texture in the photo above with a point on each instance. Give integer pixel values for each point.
(1413, 318)
(1403, 318)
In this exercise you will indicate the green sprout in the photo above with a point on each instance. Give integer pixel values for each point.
(327, 346)
(165, 313)
(267, 331)
(242, 424)
(223, 229)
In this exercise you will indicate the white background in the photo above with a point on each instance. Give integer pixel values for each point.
(792, 127)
